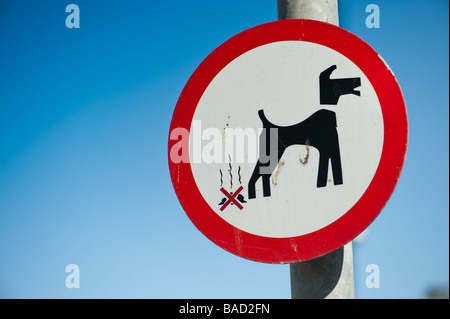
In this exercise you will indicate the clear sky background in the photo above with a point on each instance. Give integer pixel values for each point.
(84, 124)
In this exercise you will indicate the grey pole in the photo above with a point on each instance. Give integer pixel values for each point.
(321, 10)
(329, 276)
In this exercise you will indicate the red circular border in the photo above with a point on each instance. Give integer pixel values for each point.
(346, 228)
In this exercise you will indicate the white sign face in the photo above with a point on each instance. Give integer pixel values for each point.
(283, 79)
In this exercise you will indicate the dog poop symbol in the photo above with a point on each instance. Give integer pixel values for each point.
(232, 197)
(239, 197)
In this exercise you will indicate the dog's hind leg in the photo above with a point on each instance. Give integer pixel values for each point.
(253, 179)
(266, 185)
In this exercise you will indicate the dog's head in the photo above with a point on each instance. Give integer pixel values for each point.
(332, 89)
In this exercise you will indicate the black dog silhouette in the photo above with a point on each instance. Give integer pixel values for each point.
(318, 130)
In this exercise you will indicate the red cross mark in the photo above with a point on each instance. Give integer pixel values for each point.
(231, 198)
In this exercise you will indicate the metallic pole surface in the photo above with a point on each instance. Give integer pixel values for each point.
(321, 10)
(329, 276)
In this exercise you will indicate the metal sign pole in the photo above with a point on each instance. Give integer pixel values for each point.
(329, 276)
(320, 10)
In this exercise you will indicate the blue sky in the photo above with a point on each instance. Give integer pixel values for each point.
(84, 124)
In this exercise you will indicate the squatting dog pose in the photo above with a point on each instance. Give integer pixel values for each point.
(318, 130)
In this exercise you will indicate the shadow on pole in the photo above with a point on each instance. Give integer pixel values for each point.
(318, 277)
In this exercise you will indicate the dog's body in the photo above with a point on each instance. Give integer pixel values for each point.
(319, 131)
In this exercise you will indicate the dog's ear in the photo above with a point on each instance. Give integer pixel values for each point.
(332, 89)
(326, 74)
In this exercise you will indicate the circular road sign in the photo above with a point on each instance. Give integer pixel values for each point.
(287, 141)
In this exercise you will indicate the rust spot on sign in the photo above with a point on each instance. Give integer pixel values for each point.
(276, 173)
(305, 160)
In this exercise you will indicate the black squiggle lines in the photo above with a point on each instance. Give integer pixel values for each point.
(231, 175)
(239, 174)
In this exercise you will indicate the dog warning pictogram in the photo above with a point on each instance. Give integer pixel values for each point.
(318, 130)
(296, 133)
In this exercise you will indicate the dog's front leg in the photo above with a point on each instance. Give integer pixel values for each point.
(322, 174)
(336, 166)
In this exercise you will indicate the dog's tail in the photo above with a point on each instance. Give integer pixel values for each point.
(264, 119)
